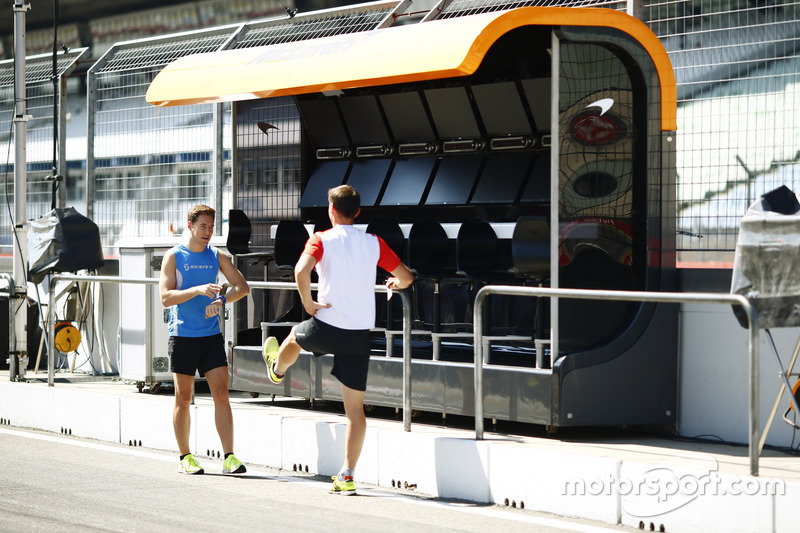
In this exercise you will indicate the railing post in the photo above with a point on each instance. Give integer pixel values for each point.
(51, 333)
(477, 329)
(12, 290)
(753, 348)
(406, 360)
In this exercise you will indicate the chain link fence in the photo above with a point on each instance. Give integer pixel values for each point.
(46, 137)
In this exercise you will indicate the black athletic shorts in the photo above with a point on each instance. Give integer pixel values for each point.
(350, 349)
(201, 354)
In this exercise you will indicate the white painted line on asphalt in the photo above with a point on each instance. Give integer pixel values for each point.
(471, 508)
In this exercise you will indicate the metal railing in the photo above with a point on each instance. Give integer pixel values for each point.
(635, 296)
(483, 293)
(267, 285)
(406, 300)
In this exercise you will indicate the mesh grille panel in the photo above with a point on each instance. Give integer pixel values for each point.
(301, 29)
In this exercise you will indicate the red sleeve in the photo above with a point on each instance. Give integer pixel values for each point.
(314, 247)
(388, 260)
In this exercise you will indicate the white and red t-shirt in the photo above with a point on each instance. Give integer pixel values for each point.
(346, 264)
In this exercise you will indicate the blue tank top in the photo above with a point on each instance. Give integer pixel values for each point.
(192, 269)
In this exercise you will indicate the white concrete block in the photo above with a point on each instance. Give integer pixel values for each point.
(312, 445)
(257, 437)
(693, 499)
(559, 483)
(462, 469)
(786, 497)
(28, 405)
(408, 458)
(86, 414)
(149, 423)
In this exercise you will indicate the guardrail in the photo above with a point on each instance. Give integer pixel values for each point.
(267, 285)
(635, 296)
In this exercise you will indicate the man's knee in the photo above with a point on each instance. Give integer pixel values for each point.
(291, 338)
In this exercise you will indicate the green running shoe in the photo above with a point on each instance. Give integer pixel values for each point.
(232, 465)
(270, 353)
(189, 465)
(345, 488)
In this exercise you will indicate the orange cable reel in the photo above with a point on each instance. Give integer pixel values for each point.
(67, 337)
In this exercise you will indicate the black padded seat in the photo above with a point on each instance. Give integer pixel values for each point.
(530, 254)
(428, 258)
(476, 249)
(239, 232)
(290, 240)
(238, 241)
(427, 249)
(530, 248)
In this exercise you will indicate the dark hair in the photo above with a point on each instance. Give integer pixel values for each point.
(198, 210)
(345, 200)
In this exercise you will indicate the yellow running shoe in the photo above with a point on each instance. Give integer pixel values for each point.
(189, 465)
(232, 465)
(270, 354)
(345, 488)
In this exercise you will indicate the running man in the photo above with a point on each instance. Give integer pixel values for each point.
(346, 259)
(188, 286)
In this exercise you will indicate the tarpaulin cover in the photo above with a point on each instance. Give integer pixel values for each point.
(766, 264)
(63, 240)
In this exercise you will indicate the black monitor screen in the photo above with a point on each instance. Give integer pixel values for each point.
(367, 176)
(538, 186)
(537, 92)
(502, 178)
(407, 117)
(364, 121)
(452, 113)
(327, 174)
(454, 180)
(323, 123)
(501, 109)
(408, 181)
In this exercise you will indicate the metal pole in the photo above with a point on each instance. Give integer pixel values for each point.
(51, 331)
(406, 360)
(477, 344)
(219, 166)
(635, 8)
(11, 291)
(752, 324)
(19, 357)
(555, 192)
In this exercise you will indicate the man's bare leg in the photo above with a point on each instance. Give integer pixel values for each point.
(288, 352)
(356, 425)
(223, 417)
(181, 420)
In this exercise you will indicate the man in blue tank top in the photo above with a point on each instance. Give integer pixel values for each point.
(188, 286)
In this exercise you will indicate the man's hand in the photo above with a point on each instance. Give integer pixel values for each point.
(209, 289)
(313, 307)
(214, 307)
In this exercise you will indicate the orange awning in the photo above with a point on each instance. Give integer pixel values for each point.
(402, 54)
